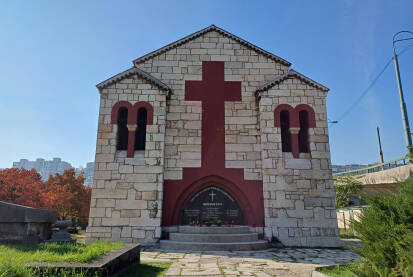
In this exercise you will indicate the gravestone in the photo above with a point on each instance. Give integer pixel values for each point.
(62, 235)
(212, 204)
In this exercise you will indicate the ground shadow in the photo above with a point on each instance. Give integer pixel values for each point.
(146, 270)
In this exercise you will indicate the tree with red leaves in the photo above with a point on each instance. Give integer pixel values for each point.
(71, 197)
(62, 192)
(24, 187)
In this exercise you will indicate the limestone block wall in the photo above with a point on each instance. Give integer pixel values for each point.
(298, 192)
(126, 191)
(183, 124)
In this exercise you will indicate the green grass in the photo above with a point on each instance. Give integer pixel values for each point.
(337, 271)
(147, 270)
(350, 270)
(14, 256)
(344, 234)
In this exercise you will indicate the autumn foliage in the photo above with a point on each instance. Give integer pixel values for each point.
(64, 193)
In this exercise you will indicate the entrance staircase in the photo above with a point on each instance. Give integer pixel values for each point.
(213, 239)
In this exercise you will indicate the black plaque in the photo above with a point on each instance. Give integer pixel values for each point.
(212, 206)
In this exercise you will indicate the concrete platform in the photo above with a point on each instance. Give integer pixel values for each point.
(214, 230)
(213, 239)
(214, 246)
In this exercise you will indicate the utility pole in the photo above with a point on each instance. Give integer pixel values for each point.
(381, 151)
(402, 103)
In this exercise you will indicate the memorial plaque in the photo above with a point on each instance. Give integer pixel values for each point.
(213, 206)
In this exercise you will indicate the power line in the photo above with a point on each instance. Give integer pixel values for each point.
(364, 92)
(358, 100)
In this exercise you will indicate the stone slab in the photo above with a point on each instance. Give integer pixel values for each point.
(113, 262)
(17, 213)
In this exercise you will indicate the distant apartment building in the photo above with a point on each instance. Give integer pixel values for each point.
(87, 173)
(47, 168)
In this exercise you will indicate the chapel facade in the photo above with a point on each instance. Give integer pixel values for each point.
(213, 130)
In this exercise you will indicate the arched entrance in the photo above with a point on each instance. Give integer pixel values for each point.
(248, 195)
(212, 205)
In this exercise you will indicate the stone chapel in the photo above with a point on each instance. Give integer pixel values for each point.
(213, 133)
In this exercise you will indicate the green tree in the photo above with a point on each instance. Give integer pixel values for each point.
(386, 230)
(345, 187)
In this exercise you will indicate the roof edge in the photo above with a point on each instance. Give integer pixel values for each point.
(291, 74)
(133, 71)
(204, 31)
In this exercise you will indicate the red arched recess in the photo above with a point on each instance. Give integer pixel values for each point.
(294, 122)
(248, 193)
(293, 117)
(132, 111)
(294, 112)
(149, 110)
(219, 182)
(309, 110)
(115, 110)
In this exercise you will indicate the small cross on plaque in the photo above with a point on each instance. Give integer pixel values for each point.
(212, 194)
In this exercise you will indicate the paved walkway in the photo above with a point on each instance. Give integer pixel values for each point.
(271, 262)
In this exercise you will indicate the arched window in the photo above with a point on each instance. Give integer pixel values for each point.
(303, 144)
(285, 131)
(140, 137)
(122, 135)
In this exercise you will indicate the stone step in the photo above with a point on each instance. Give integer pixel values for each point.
(213, 237)
(213, 246)
(213, 230)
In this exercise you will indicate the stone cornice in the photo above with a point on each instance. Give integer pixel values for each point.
(202, 32)
(291, 74)
(134, 71)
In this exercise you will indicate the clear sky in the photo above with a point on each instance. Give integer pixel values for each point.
(53, 53)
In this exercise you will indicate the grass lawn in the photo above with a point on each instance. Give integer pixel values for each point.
(337, 271)
(147, 270)
(14, 256)
(350, 270)
(344, 234)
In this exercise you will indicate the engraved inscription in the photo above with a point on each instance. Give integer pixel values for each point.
(212, 206)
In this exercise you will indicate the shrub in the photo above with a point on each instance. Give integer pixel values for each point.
(345, 187)
(386, 230)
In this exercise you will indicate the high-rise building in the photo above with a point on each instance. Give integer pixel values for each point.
(45, 168)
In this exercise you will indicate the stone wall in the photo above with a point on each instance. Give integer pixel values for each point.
(125, 190)
(183, 134)
(298, 192)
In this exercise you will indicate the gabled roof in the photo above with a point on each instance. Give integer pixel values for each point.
(133, 71)
(291, 74)
(202, 32)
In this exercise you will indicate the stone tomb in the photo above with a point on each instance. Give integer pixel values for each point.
(212, 128)
(25, 224)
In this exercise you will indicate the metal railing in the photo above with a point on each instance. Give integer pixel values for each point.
(377, 167)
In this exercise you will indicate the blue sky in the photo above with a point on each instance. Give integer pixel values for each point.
(53, 53)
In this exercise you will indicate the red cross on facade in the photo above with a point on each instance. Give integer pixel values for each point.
(213, 91)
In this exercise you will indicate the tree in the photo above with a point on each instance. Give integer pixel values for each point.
(345, 187)
(24, 187)
(65, 192)
(386, 230)
(71, 197)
